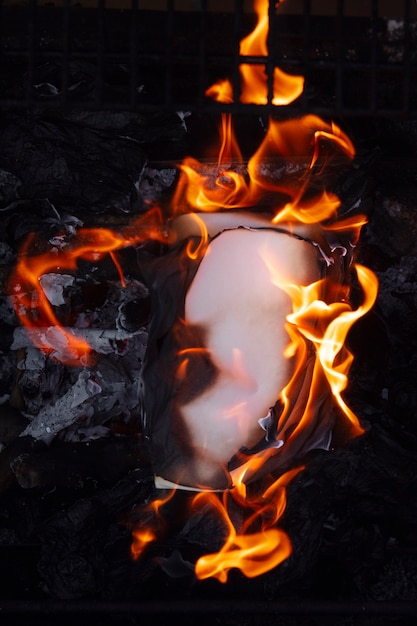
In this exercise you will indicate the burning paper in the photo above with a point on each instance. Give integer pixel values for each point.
(246, 361)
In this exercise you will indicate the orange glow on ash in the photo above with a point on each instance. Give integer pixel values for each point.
(317, 325)
(308, 139)
(92, 244)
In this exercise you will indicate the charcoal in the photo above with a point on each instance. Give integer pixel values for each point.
(68, 464)
(19, 446)
(348, 534)
(81, 163)
(12, 423)
(77, 563)
(9, 185)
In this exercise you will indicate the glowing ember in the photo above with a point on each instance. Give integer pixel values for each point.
(266, 314)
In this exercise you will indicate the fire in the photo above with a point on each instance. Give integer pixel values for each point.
(260, 545)
(326, 326)
(150, 530)
(254, 89)
(236, 187)
(198, 251)
(29, 299)
(317, 324)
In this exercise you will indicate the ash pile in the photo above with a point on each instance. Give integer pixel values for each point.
(74, 470)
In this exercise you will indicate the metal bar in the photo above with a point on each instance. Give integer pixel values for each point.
(168, 52)
(256, 59)
(31, 52)
(2, 14)
(66, 21)
(202, 53)
(407, 58)
(214, 58)
(149, 56)
(270, 61)
(208, 107)
(99, 87)
(133, 49)
(189, 58)
(237, 25)
(374, 56)
(339, 55)
(306, 51)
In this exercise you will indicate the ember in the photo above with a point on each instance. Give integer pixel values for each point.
(205, 349)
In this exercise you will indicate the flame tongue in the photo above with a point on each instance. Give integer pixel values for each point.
(313, 308)
(254, 87)
(30, 301)
(286, 88)
(309, 145)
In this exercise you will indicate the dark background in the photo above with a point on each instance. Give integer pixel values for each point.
(81, 139)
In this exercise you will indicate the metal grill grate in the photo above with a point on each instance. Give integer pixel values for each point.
(357, 58)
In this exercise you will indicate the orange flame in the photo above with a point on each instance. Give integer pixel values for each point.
(32, 305)
(308, 140)
(317, 326)
(326, 326)
(286, 88)
(150, 530)
(222, 91)
(254, 89)
(258, 546)
(254, 552)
